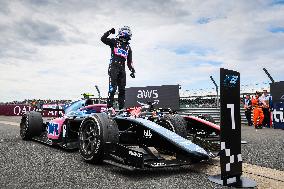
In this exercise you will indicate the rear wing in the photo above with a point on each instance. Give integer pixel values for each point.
(53, 107)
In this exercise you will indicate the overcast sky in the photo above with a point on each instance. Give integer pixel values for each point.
(52, 48)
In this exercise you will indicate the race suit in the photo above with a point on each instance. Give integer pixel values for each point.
(257, 112)
(120, 52)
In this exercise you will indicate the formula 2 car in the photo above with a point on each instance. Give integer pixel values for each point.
(133, 140)
(62, 130)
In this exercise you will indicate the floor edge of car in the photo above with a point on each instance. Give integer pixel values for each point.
(130, 168)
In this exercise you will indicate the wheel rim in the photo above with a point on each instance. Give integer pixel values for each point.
(89, 138)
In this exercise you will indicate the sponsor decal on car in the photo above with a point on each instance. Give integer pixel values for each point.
(133, 153)
(53, 129)
(158, 164)
(147, 134)
(64, 131)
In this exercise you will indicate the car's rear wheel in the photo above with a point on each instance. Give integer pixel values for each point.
(94, 132)
(31, 125)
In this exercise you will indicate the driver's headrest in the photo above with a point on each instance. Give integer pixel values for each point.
(88, 102)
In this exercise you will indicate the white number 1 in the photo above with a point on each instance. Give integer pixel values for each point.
(231, 106)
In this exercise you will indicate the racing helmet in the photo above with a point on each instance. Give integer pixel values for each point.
(125, 32)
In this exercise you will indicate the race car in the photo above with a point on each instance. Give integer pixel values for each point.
(132, 139)
(62, 130)
(135, 139)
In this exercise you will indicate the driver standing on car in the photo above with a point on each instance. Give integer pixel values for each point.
(120, 53)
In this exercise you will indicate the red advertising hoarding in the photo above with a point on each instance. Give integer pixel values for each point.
(20, 109)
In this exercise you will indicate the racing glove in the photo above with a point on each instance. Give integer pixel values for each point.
(112, 31)
(132, 73)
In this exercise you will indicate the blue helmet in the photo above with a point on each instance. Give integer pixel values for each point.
(125, 32)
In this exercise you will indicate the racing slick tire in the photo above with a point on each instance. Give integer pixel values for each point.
(174, 123)
(94, 132)
(31, 125)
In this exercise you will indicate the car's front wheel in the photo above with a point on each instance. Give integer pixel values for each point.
(94, 132)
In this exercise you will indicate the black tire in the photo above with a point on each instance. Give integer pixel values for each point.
(174, 123)
(207, 118)
(31, 125)
(94, 132)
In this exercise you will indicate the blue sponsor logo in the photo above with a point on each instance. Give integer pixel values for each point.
(231, 80)
(53, 129)
(122, 52)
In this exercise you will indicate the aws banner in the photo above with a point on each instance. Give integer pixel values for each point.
(165, 96)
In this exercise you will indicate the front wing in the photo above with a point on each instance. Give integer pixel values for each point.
(143, 156)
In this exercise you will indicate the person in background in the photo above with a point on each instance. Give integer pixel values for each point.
(248, 108)
(257, 111)
(33, 104)
(266, 108)
(271, 107)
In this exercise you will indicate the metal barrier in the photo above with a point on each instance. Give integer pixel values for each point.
(214, 112)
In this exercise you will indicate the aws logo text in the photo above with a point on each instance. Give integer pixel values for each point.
(147, 94)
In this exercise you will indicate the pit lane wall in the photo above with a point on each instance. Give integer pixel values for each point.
(20, 109)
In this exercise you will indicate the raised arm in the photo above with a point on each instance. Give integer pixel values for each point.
(107, 40)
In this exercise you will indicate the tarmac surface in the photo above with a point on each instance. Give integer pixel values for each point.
(30, 164)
